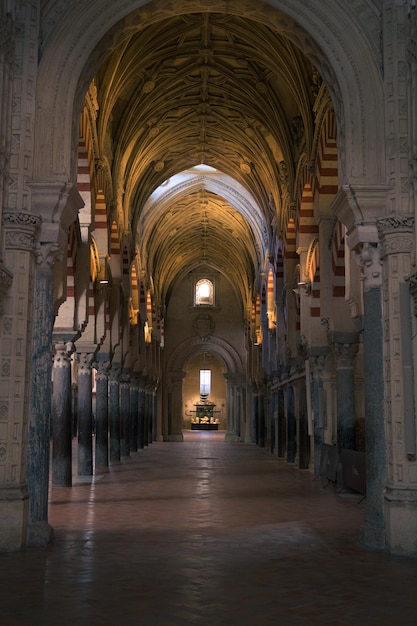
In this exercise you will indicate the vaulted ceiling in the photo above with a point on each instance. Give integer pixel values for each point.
(212, 89)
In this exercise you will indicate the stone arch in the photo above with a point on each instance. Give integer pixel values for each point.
(185, 350)
(75, 43)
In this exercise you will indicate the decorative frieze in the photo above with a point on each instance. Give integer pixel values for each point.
(20, 230)
(396, 234)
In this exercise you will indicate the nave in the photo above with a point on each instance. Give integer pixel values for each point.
(204, 533)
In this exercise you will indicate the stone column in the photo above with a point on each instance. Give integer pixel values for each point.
(154, 415)
(175, 407)
(141, 419)
(102, 411)
(345, 348)
(145, 418)
(231, 385)
(134, 413)
(400, 497)
(125, 413)
(85, 413)
(291, 425)
(373, 531)
(114, 412)
(62, 415)
(318, 361)
(40, 532)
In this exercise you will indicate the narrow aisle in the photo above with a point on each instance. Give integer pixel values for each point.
(207, 533)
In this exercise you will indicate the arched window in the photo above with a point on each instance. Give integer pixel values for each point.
(204, 292)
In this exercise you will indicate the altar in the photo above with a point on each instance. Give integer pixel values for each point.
(205, 417)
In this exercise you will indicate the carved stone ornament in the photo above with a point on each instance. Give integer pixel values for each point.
(102, 368)
(397, 234)
(204, 326)
(20, 230)
(85, 360)
(345, 354)
(62, 355)
(369, 260)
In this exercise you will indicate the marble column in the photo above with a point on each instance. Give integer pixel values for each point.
(85, 413)
(40, 532)
(134, 413)
(231, 386)
(62, 415)
(154, 414)
(175, 407)
(141, 419)
(373, 531)
(291, 425)
(345, 348)
(282, 426)
(125, 413)
(146, 419)
(102, 365)
(318, 366)
(114, 412)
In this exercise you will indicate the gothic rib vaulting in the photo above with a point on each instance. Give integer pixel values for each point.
(208, 222)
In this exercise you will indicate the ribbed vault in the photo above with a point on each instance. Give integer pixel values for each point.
(212, 89)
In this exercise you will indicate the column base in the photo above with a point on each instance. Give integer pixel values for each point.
(400, 508)
(39, 534)
(372, 538)
(175, 437)
(232, 438)
(14, 513)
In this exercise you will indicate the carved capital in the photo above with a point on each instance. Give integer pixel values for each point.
(345, 354)
(114, 374)
(20, 230)
(85, 361)
(62, 355)
(396, 234)
(102, 368)
(369, 259)
(47, 254)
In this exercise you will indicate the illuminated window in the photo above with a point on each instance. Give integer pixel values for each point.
(204, 292)
(205, 382)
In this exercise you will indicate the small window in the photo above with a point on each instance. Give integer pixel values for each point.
(204, 293)
(205, 383)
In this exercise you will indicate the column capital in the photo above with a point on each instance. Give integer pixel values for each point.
(85, 363)
(114, 373)
(102, 368)
(62, 354)
(345, 354)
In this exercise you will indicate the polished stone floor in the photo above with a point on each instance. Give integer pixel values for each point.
(205, 533)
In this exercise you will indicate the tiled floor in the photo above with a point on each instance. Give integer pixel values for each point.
(205, 533)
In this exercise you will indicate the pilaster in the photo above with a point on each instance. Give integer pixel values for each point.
(397, 245)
